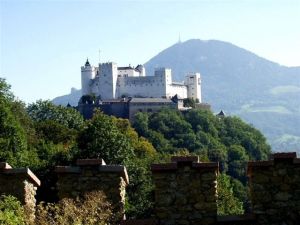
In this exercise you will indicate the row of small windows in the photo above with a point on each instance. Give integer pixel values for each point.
(126, 84)
(152, 103)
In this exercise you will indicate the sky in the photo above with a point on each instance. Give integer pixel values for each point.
(43, 43)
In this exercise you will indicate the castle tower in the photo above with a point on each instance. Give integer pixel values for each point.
(165, 76)
(193, 82)
(108, 80)
(141, 69)
(87, 74)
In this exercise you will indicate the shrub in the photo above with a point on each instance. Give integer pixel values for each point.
(93, 208)
(11, 211)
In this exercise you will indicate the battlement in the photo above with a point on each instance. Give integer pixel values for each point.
(185, 189)
(21, 183)
(94, 175)
(274, 188)
(185, 192)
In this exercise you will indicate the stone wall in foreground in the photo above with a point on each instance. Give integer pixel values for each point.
(275, 189)
(94, 175)
(22, 184)
(185, 191)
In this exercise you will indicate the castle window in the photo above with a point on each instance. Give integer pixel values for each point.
(149, 110)
(140, 110)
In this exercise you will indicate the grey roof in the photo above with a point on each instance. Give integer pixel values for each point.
(114, 100)
(221, 113)
(87, 62)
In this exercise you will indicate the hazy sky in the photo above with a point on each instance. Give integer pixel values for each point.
(44, 43)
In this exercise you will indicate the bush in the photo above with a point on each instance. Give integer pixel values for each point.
(11, 211)
(93, 208)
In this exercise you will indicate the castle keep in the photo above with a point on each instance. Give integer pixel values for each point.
(108, 81)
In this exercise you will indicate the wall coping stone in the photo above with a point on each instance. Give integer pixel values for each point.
(163, 167)
(4, 165)
(5, 168)
(184, 159)
(276, 157)
(90, 162)
(95, 163)
(67, 169)
(285, 155)
(206, 165)
(192, 161)
(117, 169)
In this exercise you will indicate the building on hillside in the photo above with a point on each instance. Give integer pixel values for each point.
(108, 81)
(128, 107)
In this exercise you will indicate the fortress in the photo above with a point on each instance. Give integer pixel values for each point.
(108, 81)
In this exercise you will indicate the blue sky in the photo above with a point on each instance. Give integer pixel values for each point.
(44, 43)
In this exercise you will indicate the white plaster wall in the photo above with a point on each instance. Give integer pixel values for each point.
(108, 73)
(87, 74)
(128, 73)
(151, 86)
(111, 83)
(193, 81)
(180, 90)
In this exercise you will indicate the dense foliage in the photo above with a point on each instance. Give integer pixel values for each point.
(44, 135)
(93, 208)
(11, 211)
(225, 139)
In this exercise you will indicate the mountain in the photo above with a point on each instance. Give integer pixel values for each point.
(71, 98)
(240, 83)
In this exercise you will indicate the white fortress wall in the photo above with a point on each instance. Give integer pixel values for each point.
(110, 82)
(151, 86)
(193, 82)
(87, 74)
(108, 74)
(127, 72)
(176, 88)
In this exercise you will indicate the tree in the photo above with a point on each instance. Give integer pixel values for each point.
(140, 123)
(189, 102)
(46, 110)
(11, 211)
(237, 162)
(12, 135)
(235, 132)
(101, 138)
(50, 130)
(227, 203)
(140, 199)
